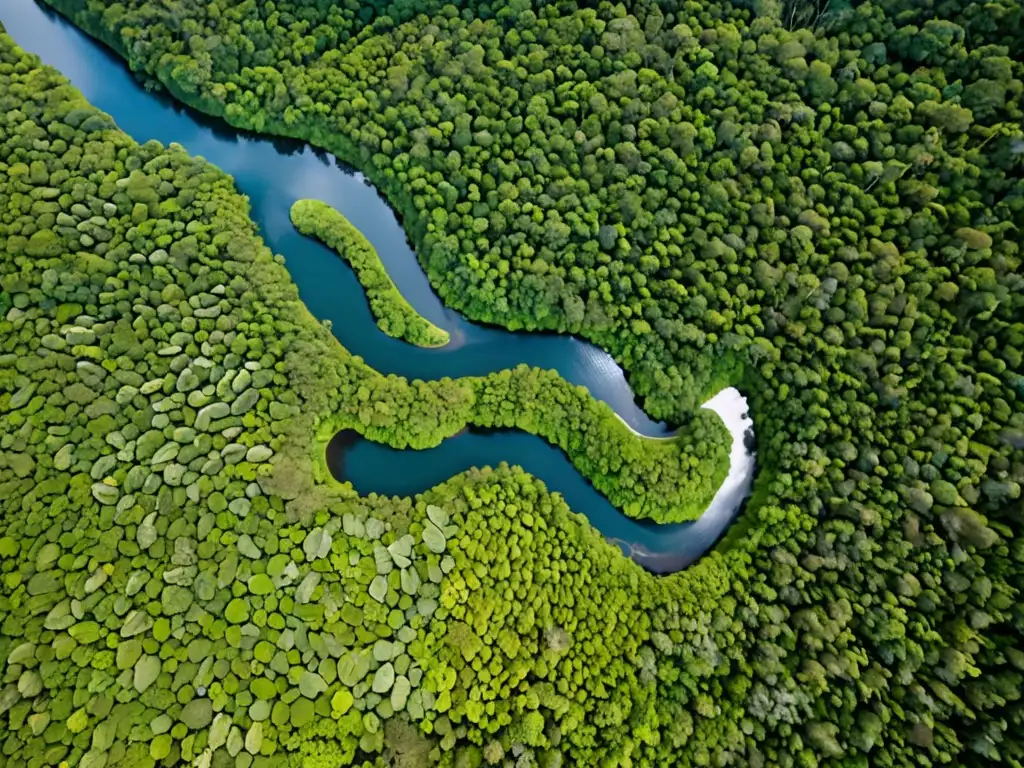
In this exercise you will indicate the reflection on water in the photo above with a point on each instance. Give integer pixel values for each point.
(659, 548)
(701, 535)
(273, 173)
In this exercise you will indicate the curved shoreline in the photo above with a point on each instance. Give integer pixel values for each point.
(660, 548)
(324, 224)
(104, 80)
(641, 435)
(262, 172)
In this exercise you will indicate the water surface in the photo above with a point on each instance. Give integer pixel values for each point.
(273, 174)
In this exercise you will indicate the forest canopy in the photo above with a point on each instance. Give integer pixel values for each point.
(821, 207)
(176, 588)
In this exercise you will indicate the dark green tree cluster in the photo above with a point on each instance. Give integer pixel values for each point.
(664, 480)
(835, 209)
(395, 316)
(653, 177)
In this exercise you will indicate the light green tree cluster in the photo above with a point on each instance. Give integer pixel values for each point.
(395, 316)
(667, 481)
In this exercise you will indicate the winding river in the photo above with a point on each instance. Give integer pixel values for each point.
(275, 173)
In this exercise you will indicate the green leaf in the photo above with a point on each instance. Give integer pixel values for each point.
(247, 547)
(317, 544)
(30, 684)
(311, 684)
(136, 623)
(400, 693)
(353, 667)
(175, 600)
(341, 702)
(263, 688)
(304, 592)
(237, 611)
(146, 672)
(437, 515)
(197, 714)
(383, 650)
(254, 738)
(383, 678)
(85, 632)
(302, 712)
(434, 538)
(128, 653)
(218, 735)
(146, 534)
(379, 588)
(261, 584)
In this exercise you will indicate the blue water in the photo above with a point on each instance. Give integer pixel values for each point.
(275, 173)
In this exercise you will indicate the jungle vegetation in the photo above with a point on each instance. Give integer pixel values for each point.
(835, 209)
(395, 316)
(176, 587)
(667, 481)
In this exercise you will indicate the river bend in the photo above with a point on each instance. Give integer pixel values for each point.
(274, 173)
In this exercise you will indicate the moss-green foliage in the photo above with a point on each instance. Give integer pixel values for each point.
(839, 209)
(395, 316)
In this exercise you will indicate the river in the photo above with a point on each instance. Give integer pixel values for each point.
(273, 173)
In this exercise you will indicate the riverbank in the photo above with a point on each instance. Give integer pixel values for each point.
(427, 400)
(349, 457)
(394, 314)
(632, 431)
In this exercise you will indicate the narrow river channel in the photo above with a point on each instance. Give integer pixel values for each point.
(275, 173)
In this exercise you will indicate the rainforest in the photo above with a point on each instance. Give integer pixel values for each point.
(810, 210)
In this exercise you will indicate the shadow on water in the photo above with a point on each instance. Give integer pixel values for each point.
(273, 173)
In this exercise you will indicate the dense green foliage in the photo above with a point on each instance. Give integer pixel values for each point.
(666, 480)
(174, 587)
(837, 209)
(395, 316)
(664, 180)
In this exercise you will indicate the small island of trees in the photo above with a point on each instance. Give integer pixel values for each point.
(395, 316)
